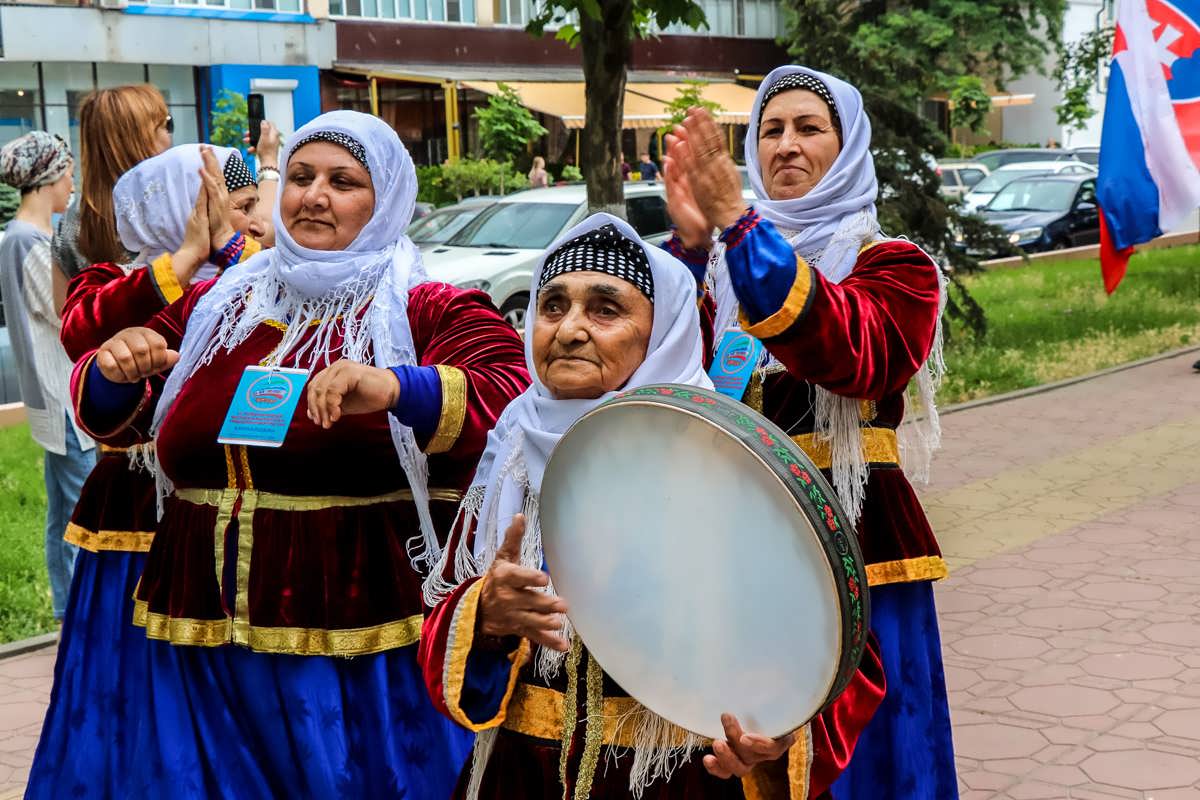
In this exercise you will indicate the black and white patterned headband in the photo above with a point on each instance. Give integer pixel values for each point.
(603, 250)
(237, 174)
(352, 145)
(802, 80)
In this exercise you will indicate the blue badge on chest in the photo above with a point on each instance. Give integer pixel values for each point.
(737, 358)
(262, 406)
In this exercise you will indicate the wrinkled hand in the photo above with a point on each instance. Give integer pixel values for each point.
(220, 229)
(690, 223)
(710, 170)
(737, 754)
(135, 354)
(267, 148)
(347, 387)
(195, 248)
(510, 602)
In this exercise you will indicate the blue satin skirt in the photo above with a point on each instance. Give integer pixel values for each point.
(906, 751)
(231, 723)
(86, 747)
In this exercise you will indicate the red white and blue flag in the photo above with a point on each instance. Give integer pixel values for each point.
(1150, 147)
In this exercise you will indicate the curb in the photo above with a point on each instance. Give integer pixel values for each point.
(1050, 387)
(24, 646)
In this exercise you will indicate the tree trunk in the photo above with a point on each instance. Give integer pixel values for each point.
(607, 45)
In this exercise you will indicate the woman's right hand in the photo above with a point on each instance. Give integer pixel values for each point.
(690, 223)
(135, 354)
(510, 603)
(191, 255)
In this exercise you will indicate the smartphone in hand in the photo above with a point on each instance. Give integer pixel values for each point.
(256, 108)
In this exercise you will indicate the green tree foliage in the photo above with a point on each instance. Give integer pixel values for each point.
(605, 33)
(228, 120)
(970, 103)
(899, 53)
(1077, 72)
(690, 95)
(505, 126)
(467, 177)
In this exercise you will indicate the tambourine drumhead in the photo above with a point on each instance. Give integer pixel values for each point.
(691, 564)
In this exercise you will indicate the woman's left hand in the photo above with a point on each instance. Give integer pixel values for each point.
(347, 387)
(220, 229)
(737, 754)
(711, 173)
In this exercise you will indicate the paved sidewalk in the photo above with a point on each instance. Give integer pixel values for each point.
(1071, 622)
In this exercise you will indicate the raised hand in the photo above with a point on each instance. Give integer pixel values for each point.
(737, 754)
(194, 251)
(220, 229)
(510, 602)
(690, 222)
(710, 170)
(347, 387)
(135, 354)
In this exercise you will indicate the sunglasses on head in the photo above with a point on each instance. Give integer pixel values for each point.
(169, 124)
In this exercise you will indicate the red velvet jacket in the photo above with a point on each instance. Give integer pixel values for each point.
(303, 548)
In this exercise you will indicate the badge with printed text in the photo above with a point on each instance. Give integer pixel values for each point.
(735, 362)
(262, 406)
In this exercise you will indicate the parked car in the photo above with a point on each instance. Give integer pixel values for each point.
(497, 251)
(422, 209)
(995, 159)
(986, 189)
(1088, 155)
(959, 177)
(1047, 212)
(439, 226)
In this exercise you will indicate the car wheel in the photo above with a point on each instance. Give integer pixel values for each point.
(514, 309)
(1060, 244)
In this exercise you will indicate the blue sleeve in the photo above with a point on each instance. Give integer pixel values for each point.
(485, 680)
(695, 259)
(110, 402)
(420, 404)
(762, 266)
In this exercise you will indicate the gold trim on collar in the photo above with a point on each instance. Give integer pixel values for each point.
(454, 410)
(288, 502)
(880, 446)
(119, 541)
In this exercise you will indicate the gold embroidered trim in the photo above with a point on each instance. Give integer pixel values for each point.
(106, 449)
(879, 446)
(287, 641)
(288, 502)
(247, 480)
(793, 306)
(569, 712)
(539, 712)
(163, 276)
(593, 730)
(800, 759)
(97, 541)
(454, 410)
(458, 648)
(907, 570)
(867, 411)
(245, 549)
(180, 630)
(230, 470)
(252, 247)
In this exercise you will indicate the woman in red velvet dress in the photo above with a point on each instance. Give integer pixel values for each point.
(282, 591)
(96, 701)
(850, 319)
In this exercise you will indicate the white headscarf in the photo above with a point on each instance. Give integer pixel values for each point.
(153, 200)
(324, 290)
(508, 479)
(828, 227)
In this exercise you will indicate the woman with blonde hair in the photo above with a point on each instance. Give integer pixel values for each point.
(538, 177)
(118, 128)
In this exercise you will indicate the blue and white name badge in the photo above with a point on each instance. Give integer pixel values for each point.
(735, 362)
(262, 406)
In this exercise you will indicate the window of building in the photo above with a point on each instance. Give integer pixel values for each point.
(405, 10)
(46, 96)
(292, 6)
(753, 19)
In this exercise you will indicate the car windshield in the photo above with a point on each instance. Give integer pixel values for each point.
(1089, 157)
(528, 226)
(996, 181)
(441, 224)
(1032, 195)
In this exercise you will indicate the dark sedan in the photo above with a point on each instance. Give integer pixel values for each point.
(1047, 212)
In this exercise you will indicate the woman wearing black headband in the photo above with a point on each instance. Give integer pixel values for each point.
(101, 659)
(850, 319)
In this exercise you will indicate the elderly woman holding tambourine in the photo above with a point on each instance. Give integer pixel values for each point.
(849, 319)
(607, 313)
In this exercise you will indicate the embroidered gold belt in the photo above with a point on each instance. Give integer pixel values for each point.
(880, 446)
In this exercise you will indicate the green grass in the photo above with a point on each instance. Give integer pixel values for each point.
(1054, 321)
(24, 588)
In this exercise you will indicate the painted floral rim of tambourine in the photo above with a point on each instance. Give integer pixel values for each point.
(755, 440)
